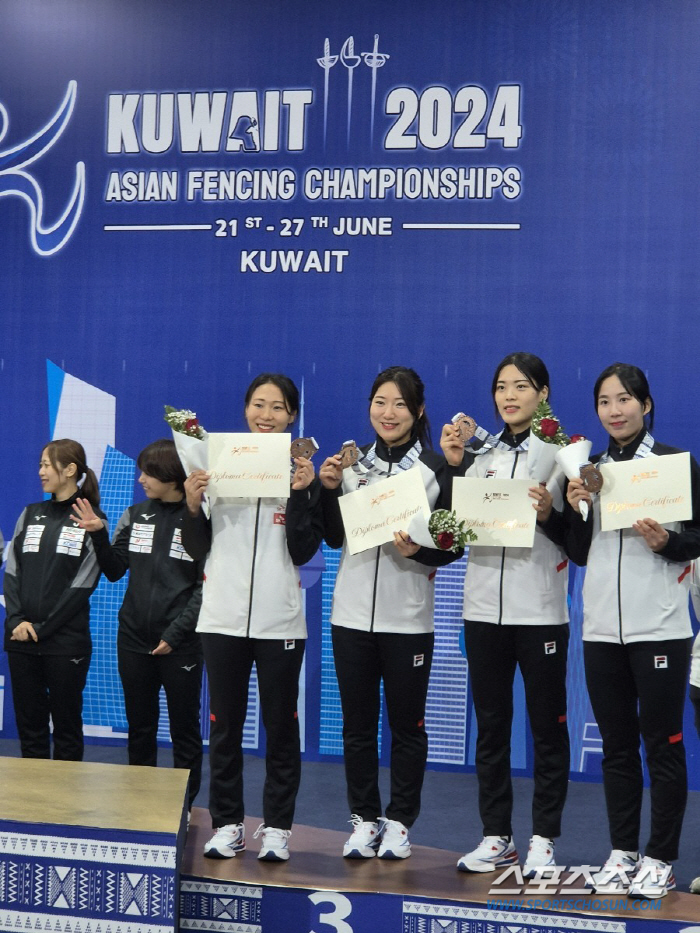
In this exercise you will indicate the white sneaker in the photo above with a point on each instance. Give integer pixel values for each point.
(492, 852)
(695, 886)
(615, 877)
(273, 847)
(226, 841)
(540, 855)
(364, 841)
(653, 880)
(395, 843)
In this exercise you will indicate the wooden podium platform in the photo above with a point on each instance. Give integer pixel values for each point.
(90, 848)
(318, 891)
(95, 848)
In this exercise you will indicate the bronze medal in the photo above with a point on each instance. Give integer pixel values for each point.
(466, 427)
(349, 454)
(303, 447)
(592, 477)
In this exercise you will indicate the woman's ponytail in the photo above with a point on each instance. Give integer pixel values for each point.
(65, 451)
(90, 488)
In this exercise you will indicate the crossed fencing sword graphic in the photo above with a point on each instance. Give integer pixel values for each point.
(374, 61)
(17, 181)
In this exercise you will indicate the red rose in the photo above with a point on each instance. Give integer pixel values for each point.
(549, 426)
(575, 438)
(191, 425)
(445, 540)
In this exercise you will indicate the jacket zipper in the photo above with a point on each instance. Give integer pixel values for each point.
(619, 588)
(252, 567)
(503, 555)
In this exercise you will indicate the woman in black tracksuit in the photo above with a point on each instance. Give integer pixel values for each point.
(637, 640)
(382, 620)
(157, 645)
(50, 575)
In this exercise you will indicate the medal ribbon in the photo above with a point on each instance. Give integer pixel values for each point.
(642, 451)
(493, 441)
(367, 463)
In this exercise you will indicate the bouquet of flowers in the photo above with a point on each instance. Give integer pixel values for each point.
(546, 437)
(190, 438)
(572, 458)
(442, 531)
(546, 427)
(448, 533)
(184, 421)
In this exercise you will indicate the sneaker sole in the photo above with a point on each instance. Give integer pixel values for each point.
(216, 853)
(356, 853)
(621, 891)
(393, 855)
(648, 896)
(488, 866)
(273, 857)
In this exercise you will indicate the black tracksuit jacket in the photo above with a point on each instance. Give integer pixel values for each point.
(164, 593)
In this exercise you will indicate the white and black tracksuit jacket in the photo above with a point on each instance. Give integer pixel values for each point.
(378, 590)
(254, 546)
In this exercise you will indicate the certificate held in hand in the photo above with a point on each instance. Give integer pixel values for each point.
(651, 487)
(372, 514)
(249, 465)
(499, 510)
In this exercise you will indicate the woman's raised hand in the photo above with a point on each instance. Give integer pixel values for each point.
(84, 516)
(577, 493)
(195, 485)
(331, 472)
(303, 474)
(452, 444)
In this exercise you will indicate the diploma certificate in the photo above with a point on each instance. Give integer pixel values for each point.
(500, 511)
(249, 465)
(651, 487)
(372, 514)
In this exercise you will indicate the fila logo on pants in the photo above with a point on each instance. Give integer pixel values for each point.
(550, 647)
(660, 661)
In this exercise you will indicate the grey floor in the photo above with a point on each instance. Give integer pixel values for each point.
(449, 817)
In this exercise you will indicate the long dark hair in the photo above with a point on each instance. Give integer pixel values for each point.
(160, 460)
(412, 392)
(633, 381)
(289, 391)
(530, 366)
(65, 451)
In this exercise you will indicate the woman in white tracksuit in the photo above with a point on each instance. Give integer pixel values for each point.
(252, 612)
(515, 613)
(637, 639)
(382, 621)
